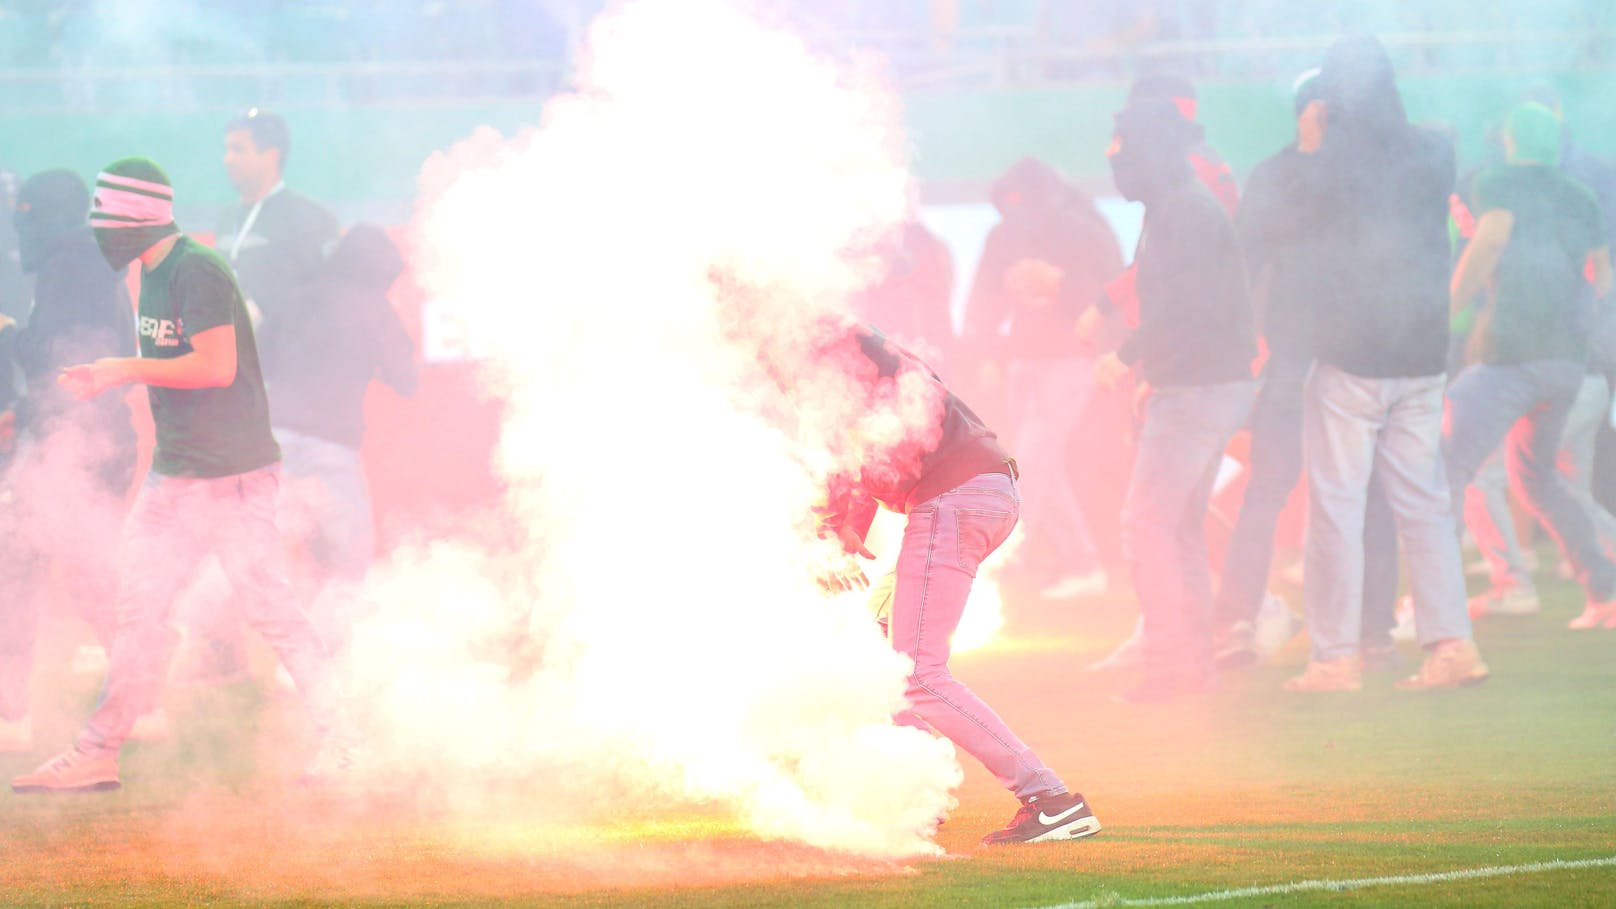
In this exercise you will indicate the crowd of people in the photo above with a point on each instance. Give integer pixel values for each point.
(1382, 327)
(285, 312)
(1385, 330)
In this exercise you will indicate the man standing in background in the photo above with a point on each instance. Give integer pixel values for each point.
(275, 239)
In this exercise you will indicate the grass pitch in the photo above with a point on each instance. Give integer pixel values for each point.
(1247, 787)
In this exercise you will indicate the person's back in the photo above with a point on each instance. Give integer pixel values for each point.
(338, 336)
(1540, 275)
(1385, 314)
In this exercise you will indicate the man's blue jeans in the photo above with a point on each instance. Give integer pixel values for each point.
(1181, 444)
(1527, 403)
(1355, 427)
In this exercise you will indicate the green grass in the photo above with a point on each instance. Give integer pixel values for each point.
(1249, 786)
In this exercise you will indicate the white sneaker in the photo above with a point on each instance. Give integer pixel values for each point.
(16, 736)
(1130, 654)
(1275, 626)
(1077, 585)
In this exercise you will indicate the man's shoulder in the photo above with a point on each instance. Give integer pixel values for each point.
(301, 207)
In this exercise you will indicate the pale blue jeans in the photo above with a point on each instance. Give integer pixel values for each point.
(1354, 427)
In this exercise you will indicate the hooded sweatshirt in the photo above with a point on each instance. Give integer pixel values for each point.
(81, 311)
(1385, 184)
(1041, 217)
(324, 348)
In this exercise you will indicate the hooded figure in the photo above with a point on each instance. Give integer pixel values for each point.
(81, 312)
(336, 338)
(1384, 184)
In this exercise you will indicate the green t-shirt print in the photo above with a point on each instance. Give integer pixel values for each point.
(202, 432)
(1539, 283)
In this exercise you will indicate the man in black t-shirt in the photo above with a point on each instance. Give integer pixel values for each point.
(1538, 234)
(212, 484)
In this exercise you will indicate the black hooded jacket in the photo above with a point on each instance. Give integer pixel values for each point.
(1380, 187)
(323, 349)
(81, 313)
(1042, 216)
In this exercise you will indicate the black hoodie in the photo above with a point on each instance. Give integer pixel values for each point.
(322, 351)
(1042, 216)
(1381, 186)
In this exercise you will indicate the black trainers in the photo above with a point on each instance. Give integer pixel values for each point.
(1065, 816)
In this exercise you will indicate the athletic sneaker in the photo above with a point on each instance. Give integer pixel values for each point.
(16, 736)
(1077, 585)
(1042, 818)
(1452, 663)
(1344, 674)
(1130, 654)
(1235, 647)
(71, 771)
(1511, 600)
(1275, 626)
(1595, 615)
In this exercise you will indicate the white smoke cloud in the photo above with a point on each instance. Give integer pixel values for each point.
(651, 628)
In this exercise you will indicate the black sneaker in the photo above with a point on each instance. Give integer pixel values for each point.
(1065, 816)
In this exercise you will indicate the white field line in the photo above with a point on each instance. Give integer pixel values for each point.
(1342, 885)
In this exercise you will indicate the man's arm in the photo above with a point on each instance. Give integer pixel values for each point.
(210, 364)
(1480, 259)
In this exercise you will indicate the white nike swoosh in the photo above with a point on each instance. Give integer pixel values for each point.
(1046, 820)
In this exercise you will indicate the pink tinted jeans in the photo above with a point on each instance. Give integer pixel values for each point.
(946, 539)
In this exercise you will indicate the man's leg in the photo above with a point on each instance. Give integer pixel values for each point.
(1410, 464)
(1276, 465)
(1052, 396)
(1185, 431)
(1380, 570)
(250, 551)
(1588, 413)
(1533, 454)
(1340, 422)
(324, 506)
(164, 538)
(1488, 517)
(944, 542)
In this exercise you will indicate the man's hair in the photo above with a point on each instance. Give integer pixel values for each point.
(267, 129)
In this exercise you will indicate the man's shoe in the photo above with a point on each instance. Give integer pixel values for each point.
(1513, 600)
(1344, 674)
(71, 771)
(1235, 647)
(1595, 615)
(1077, 585)
(1275, 626)
(1453, 663)
(1042, 818)
(16, 736)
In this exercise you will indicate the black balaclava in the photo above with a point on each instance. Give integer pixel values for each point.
(133, 210)
(1151, 149)
(49, 205)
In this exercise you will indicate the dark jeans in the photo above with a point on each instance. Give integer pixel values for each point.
(1164, 519)
(1527, 403)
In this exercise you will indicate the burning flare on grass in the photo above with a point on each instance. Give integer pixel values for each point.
(649, 631)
